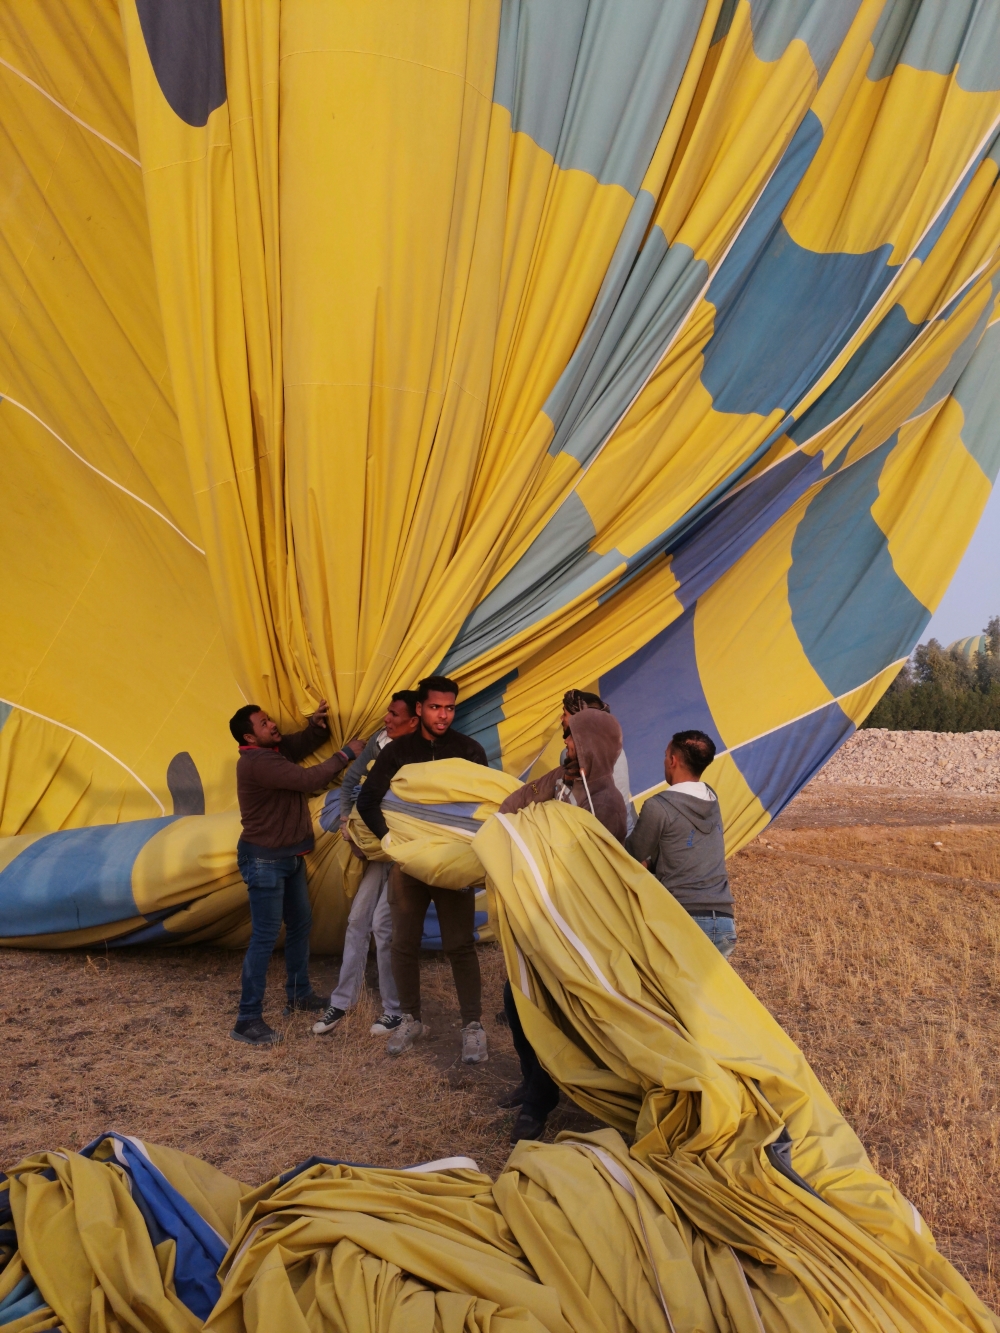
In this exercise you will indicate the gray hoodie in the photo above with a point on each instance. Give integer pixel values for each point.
(681, 837)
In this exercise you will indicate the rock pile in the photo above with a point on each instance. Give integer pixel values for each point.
(923, 760)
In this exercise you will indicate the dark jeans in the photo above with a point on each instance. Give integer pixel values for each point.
(409, 899)
(277, 889)
(541, 1092)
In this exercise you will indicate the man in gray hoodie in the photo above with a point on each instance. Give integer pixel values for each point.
(678, 836)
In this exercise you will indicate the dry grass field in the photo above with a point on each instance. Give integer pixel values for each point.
(888, 980)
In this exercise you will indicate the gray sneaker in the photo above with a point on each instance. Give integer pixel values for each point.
(406, 1034)
(474, 1050)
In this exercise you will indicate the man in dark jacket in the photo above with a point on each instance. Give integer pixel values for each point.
(277, 833)
(679, 837)
(409, 898)
(586, 778)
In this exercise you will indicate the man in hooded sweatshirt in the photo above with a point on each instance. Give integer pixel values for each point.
(679, 838)
(574, 701)
(586, 778)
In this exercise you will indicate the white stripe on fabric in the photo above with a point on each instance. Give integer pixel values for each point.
(41, 716)
(66, 112)
(563, 925)
(659, 786)
(6, 398)
(445, 1164)
(618, 1173)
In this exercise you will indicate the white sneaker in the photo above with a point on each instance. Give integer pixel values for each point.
(406, 1034)
(474, 1050)
(384, 1025)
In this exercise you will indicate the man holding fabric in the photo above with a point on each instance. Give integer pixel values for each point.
(679, 838)
(370, 909)
(277, 833)
(435, 738)
(574, 701)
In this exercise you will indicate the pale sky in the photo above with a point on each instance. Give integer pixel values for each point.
(974, 594)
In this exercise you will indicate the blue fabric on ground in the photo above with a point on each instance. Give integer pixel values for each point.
(200, 1249)
(21, 1301)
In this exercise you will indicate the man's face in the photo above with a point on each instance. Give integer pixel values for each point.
(570, 746)
(564, 721)
(670, 765)
(265, 731)
(437, 712)
(397, 720)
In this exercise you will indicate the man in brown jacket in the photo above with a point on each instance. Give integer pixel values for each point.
(277, 833)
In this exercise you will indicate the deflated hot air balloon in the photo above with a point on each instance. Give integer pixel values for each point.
(549, 343)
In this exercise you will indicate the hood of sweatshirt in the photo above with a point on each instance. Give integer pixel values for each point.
(598, 740)
(704, 815)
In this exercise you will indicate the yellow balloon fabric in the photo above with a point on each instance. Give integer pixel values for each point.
(604, 344)
(644, 347)
(727, 1194)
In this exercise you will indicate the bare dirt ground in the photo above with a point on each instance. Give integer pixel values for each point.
(868, 925)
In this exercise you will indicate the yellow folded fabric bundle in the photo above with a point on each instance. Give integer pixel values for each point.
(434, 811)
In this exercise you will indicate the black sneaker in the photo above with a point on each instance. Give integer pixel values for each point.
(527, 1127)
(384, 1025)
(331, 1017)
(309, 1004)
(255, 1032)
(514, 1098)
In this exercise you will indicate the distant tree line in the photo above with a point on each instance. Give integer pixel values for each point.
(943, 690)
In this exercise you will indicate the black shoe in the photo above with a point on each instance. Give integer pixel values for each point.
(255, 1032)
(331, 1017)
(527, 1127)
(310, 1004)
(514, 1098)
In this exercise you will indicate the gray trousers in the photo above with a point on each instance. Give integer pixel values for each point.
(369, 916)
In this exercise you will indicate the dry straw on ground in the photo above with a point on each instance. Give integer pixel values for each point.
(891, 986)
(889, 983)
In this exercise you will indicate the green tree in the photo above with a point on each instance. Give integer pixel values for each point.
(942, 690)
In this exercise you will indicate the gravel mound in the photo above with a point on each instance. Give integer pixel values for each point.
(922, 760)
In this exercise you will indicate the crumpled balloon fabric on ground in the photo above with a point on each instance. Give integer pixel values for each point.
(727, 1195)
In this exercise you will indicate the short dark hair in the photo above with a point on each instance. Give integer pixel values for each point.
(441, 684)
(695, 748)
(575, 701)
(408, 697)
(240, 724)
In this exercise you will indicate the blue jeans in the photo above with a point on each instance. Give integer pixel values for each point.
(277, 889)
(721, 930)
